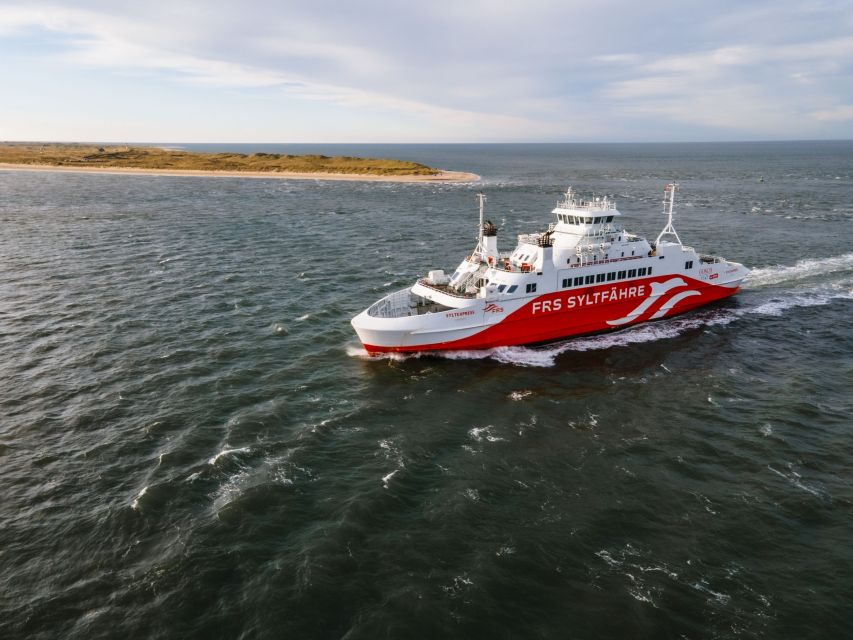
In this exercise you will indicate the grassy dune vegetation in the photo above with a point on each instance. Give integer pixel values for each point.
(82, 155)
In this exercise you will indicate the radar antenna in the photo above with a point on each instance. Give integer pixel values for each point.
(668, 210)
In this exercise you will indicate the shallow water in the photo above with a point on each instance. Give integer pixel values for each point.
(194, 444)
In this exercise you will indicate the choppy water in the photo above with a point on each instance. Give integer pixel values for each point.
(194, 446)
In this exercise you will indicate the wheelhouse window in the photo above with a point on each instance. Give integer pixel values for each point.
(531, 287)
(688, 264)
(512, 288)
(501, 288)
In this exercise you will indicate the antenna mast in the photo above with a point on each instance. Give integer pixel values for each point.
(481, 197)
(668, 210)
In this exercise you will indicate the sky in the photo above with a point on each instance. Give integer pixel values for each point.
(435, 71)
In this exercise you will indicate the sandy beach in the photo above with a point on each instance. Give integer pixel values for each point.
(444, 176)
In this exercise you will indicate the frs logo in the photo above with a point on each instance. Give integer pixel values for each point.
(493, 308)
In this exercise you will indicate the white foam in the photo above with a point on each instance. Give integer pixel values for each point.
(702, 586)
(604, 554)
(303, 317)
(795, 479)
(392, 452)
(387, 478)
(638, 594)
(226, 452)
(777, 306)
(484, 433)
(520, 395)
(135, 504)
(808, 268)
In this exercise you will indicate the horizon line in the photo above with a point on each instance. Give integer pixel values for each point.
(497, 142)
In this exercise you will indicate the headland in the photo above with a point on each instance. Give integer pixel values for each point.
(122, 159)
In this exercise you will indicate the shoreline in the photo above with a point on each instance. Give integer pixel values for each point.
(442, 177)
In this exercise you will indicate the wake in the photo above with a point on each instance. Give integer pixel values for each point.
(802, 270)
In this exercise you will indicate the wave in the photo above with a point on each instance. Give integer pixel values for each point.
(777, 306)
(135, 504)
(808, 268)
(226, 452)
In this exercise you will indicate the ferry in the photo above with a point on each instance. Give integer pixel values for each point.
(584, 275)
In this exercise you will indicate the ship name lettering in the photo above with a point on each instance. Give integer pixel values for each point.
(459, 314)
(606, 295)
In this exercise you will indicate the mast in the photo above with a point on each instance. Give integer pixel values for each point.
(481, 197)
(668, 210)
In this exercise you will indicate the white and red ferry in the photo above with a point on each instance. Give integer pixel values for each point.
(584, 275)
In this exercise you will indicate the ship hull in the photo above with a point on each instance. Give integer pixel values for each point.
(553, 316)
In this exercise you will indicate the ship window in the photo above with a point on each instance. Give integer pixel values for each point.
(609, 218)
(623, 254)
(611, 276)
(632, 273)
(512, 288)
(578, 281)
(650, 271)
(501, 288)
(531, 287)
(688, 264)
(599, 277)
(567, 282)
(632, 253)
(596, 220)
(641, 271)
(590, 279)
(621, 275)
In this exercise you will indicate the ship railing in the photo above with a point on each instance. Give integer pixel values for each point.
(443, 288)
(505, 264)
(597, 204)
(587, 263)
(395, 305)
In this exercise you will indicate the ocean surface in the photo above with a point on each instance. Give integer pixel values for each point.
(193, 444)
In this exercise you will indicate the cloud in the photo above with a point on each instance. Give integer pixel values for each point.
(843, 113)
(542, 69)
(743, 88)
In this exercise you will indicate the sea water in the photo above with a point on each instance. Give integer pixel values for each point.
(194, 444)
